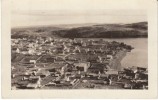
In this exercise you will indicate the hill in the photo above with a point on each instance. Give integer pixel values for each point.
(133, 30)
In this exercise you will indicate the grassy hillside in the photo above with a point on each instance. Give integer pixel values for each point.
(133, 30)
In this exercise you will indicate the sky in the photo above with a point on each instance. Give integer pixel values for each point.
(56, 12)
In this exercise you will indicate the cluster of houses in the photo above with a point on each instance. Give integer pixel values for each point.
(67, 63)
(137, 77)
(44, 46)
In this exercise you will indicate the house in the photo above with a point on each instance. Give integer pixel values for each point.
(31, 51)
(33, 61)
(32, 85)
(141, 69)
(67, 50)
(43, 73)
(13, 75)
(13, 48)
(75, 81)
(30, 45)
(55, 67)
(45, 59)
(63, 69)
(12, 68)
(35, 82)
(84, 44)
(96, 68)
(17, 50)
(77, 50)
(59, 59)
(129, 72)
(100, 59)
(109, 57)
(51, 43)
(27, 73)
(49, 39)
(25, 78)
(71, 57)
(38, 53)
(59, 50)
(112, 72)
(48, 43)
(51, 84)
(24, 51)
(82, 66)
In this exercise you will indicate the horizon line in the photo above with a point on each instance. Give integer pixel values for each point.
(54, 25)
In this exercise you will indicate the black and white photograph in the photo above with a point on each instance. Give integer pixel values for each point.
(77, 45)
(73, 49)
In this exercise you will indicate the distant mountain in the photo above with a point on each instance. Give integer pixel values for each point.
(133, 30)
(106, 31)
(141, 25)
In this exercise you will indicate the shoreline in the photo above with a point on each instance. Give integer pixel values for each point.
(116, 62)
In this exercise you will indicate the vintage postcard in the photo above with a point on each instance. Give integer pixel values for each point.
(79, 48)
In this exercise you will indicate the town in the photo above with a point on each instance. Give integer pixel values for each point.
(79, 63)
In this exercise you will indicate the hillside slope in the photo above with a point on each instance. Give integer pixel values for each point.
(133, 30)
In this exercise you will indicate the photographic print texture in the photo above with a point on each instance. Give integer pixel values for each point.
(70, 47)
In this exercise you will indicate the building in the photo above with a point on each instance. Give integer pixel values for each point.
(35, 82)
(96, 68)
(82, 66)
(43, 73)
(112, 72)
(31, 51)
(33, 61)
(109, 57)
(17, 50)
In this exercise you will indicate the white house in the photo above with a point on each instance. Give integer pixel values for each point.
(17, 50)
(31, 51)
(110, 57)
(33, 61)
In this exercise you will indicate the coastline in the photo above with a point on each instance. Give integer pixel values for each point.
(116, 62)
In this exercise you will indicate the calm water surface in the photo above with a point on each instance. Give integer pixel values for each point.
(139, 55)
